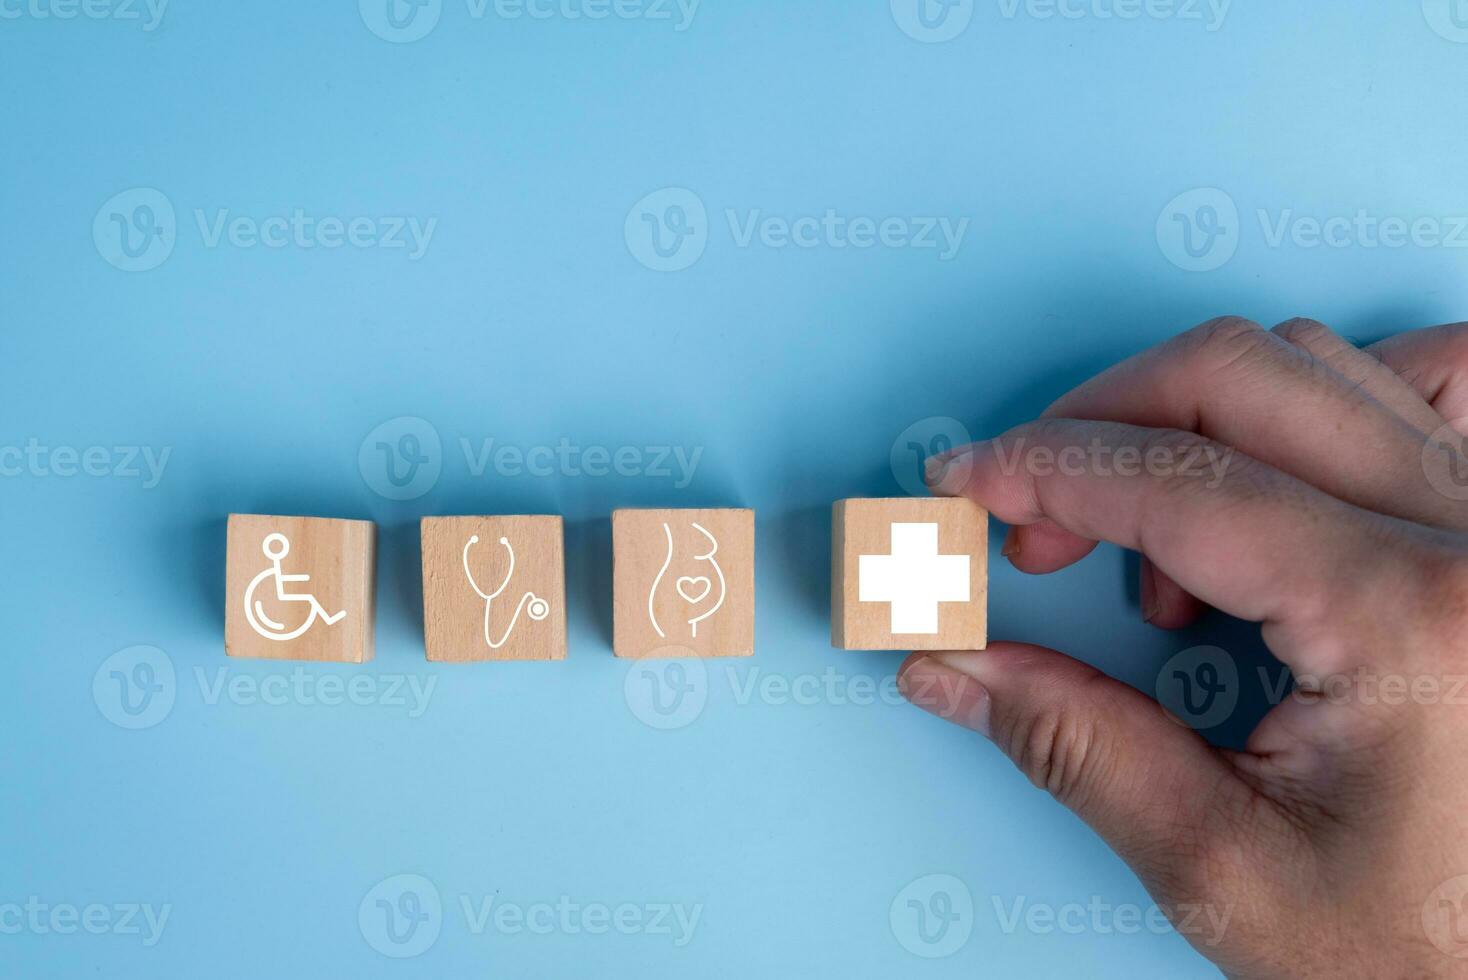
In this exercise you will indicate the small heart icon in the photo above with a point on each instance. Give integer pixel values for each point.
(689, 588)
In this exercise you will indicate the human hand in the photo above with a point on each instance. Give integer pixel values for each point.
(1338, 841)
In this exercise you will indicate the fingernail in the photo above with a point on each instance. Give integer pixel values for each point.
(940, 689)
(1150, 606)
(947, 475)
(1011, 543)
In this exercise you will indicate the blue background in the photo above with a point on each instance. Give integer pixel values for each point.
(530, 320)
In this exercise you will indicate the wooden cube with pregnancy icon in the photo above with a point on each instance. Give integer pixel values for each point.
(683, 583)
(299, 588)
(494, 588)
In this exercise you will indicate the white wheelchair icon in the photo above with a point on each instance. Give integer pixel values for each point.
(276, 547)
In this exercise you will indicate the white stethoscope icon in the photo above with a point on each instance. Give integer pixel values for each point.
(276, 547)
(538, 608)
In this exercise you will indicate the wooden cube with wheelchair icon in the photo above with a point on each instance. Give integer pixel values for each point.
(300, 588)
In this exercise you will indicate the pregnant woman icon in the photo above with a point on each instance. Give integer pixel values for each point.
(692, 589)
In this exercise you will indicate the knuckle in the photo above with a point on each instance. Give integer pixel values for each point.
(1302, 331)
(1221, 347)
(1064, 751)
(1189, 466)
(1226, 336)
(1054, 430)
(1182, 460)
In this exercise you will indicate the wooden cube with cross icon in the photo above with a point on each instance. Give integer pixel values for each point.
(683, 583)
(909, 573)
(299, 588)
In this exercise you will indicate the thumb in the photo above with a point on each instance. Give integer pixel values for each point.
(1151, 787)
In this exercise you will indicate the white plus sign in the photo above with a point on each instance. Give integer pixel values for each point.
(914, 578)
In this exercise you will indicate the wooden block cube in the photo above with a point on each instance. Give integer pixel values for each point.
(909, 574)
(300, 588)
(494, 588)
(683, 583)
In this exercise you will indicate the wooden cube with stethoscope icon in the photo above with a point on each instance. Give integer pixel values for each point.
(494, 588)
(300, 588)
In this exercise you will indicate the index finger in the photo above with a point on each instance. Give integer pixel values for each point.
(1238, 534)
